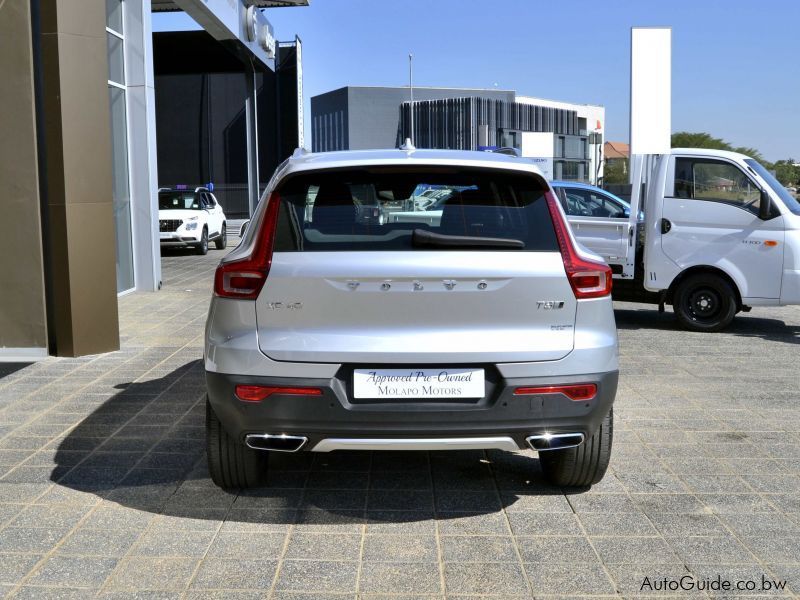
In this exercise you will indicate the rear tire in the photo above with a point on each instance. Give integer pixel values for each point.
(582, 465)
(230, 463)
(202, 246)
(222, 241)
(704, 303)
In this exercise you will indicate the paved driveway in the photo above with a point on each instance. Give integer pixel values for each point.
(104, 486)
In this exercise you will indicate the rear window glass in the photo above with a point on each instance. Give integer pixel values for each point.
(178, 201)
(423, 209)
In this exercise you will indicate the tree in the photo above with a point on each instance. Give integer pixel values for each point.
(685, 139)
(786, 172)
(615, 171)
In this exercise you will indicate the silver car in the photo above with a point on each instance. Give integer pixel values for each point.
(491, 328)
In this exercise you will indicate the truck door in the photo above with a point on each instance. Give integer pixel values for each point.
(710, 217)
(598, 221)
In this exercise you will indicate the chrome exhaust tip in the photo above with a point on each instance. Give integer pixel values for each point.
(275, 442)
(554, 441)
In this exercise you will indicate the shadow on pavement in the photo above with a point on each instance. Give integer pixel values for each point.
(144, 448)
(743, 325)
(7, 368)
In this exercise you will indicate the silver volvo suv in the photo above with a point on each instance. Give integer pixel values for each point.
(473, 322)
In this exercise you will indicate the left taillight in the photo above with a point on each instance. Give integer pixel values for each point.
(588, 278)
(243, 278)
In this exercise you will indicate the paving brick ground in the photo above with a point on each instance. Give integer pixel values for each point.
(104, 488)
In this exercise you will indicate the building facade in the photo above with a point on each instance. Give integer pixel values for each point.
(564, 136)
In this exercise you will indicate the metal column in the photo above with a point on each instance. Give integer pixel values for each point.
(251, 117)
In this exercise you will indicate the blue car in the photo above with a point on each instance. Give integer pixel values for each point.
(584, 200)
(597, 217)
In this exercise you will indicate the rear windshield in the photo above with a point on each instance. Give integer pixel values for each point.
(422, 209)
(178, 201)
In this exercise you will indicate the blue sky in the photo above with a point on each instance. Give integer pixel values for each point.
(735, 66)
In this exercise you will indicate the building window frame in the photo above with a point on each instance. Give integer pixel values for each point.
(124, 87)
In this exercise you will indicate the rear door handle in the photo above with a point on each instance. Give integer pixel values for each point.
(665, 225)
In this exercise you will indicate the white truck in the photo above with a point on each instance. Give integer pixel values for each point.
(720, 235)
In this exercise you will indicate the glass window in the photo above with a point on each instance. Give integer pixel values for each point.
(121, 193)
(114, 15)
(788, 200)
(588, 203)
(573, 148)
(715, 181)
(569, 170)
(116, 59)
(179, 201)
(379, 210)
(560, 146)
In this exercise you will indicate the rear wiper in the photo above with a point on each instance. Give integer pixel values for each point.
(422, 239)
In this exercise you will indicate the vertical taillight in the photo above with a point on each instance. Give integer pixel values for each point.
(588, 278)
(243, 278)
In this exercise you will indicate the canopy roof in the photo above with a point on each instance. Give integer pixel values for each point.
(169, 5)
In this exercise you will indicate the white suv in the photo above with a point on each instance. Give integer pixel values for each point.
(491, 328)
(190, 218)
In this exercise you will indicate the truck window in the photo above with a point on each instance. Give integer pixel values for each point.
(715, 181)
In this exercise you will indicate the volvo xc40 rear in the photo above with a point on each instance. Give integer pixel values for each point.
(488, 328)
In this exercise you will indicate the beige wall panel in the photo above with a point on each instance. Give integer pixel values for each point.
(22, 301)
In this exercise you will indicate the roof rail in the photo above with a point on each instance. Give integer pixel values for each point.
(201, 188)
(408, 145)
(164, 189)
(508, 151)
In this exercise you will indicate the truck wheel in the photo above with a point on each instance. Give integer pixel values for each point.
(704, 303)
(202, 245)
(222, 240)
(230, 463)
(582, 465)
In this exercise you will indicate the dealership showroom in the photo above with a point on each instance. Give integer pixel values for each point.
(213, 386)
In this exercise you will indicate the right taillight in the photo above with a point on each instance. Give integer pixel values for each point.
(588, 278)
(578, 392)
(243, 278)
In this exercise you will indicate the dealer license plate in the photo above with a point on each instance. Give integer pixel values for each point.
(418, 383)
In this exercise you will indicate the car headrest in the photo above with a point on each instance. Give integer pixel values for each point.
(334, 194)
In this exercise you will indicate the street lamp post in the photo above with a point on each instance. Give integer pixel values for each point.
(411, 93)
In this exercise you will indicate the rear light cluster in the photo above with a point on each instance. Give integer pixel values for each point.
(588, 278)
(578, 392)
(243, 278)
(257, 393)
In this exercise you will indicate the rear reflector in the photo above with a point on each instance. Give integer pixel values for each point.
(578, 392)
(257, 393)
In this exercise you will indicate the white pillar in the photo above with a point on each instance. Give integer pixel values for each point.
(141, 104)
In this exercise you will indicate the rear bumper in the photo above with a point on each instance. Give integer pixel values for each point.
(334, 415)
